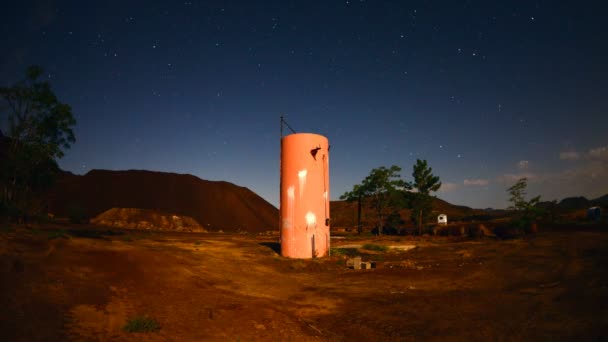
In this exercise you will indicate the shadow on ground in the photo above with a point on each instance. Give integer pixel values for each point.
(274, 246)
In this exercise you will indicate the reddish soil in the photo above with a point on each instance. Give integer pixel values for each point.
(552, 285)
(214, 205)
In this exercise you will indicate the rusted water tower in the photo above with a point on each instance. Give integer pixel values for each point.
(304, 200)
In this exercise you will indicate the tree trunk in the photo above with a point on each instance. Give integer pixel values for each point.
(420, 222)
(359, 228)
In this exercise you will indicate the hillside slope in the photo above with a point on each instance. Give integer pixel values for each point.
(214, 205)
(344, 214)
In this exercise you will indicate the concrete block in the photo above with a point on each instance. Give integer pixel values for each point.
(354, 263)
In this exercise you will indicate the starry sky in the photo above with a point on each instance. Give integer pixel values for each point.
(486, 91)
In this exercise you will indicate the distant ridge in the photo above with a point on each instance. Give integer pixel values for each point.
(343, 214)
(215, 205)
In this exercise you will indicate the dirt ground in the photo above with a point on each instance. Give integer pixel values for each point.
(84, 286)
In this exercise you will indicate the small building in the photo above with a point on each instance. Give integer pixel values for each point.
(594, 213)
(442, 219)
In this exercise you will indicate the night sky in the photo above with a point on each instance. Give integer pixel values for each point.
(485, 92)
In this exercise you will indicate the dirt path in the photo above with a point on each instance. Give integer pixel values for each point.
(233, 287)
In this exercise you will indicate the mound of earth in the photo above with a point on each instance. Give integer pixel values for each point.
(146, 219)
(215, 205)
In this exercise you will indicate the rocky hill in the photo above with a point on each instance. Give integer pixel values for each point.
(215, 205)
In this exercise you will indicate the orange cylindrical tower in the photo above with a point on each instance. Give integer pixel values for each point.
(304, 196)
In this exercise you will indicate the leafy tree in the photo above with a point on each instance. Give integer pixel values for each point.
(526, 211)
(38, 129)
(382, 187)
(425, 183)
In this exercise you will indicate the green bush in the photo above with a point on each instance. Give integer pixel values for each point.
(343, 251)
(374, 247)
(141, 324)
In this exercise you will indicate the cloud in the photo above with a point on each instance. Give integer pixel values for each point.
(600, 153)
(447, 187)
(588, 176)
(476, 182)
(514, 177)
(522, 164)
(569, 155)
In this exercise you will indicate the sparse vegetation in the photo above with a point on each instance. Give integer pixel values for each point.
(343, 251)
(141, 324)
(527, 212)
(375, 247)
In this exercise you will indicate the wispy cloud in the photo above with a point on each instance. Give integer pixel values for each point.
(523, 164)
(447, 186)
(600, 153)
(569, 155)
(476, 182)
(587, 175)
(514, 177)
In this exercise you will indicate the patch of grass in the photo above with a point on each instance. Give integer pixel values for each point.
(141, 324)
(337, 251)
(343, 251)
(127, 239)
(374, 247)
(61, 233)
